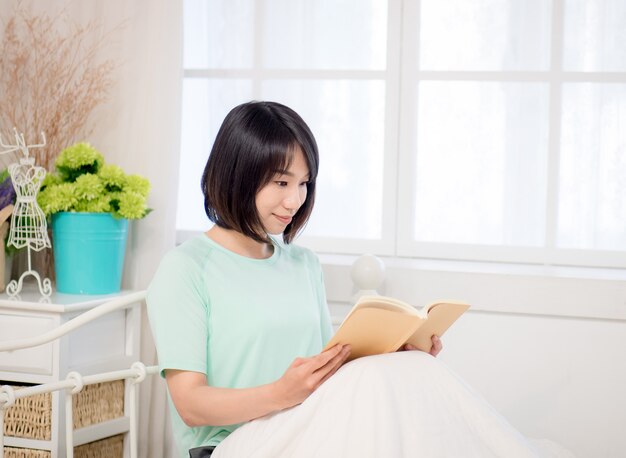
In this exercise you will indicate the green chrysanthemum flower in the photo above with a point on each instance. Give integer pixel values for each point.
(78, 159)
(88, 187)
(138, 184)
(113, 177)
(85, 184)
(50, 180)
(58, 198)
(102, 204)
(132, 205)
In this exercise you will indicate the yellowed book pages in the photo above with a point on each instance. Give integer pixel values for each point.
(379, 324)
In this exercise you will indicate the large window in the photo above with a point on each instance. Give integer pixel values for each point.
(484, 130)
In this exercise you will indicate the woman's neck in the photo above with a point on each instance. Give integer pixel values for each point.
(240, 244)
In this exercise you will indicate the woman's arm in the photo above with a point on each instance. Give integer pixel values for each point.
(199, 404)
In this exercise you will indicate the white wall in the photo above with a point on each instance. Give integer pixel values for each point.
(543, 346)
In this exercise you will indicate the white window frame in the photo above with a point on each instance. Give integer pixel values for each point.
(555, 77)
(400, 77)
(386, 245)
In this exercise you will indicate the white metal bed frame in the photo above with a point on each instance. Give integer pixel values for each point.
(74, 381)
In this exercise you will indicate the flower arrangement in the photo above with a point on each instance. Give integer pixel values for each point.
(84, 183)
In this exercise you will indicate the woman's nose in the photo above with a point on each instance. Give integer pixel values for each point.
(294, 199)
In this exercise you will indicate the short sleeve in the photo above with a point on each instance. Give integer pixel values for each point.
(325, 321)
(178, 311)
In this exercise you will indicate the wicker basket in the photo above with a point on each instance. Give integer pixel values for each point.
(31, 417)
(15, 452)
(97, 403)
(111, 447)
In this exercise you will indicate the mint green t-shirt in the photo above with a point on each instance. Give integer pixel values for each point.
(240, 321)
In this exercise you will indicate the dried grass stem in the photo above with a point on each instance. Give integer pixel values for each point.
(51, 79)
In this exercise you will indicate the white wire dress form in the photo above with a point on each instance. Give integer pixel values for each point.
(29, 228)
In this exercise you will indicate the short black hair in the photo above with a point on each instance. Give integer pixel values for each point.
(256, 140)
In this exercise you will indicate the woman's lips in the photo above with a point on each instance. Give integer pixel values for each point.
(284, 219)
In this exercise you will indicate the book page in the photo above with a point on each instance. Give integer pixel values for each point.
(441, 315)
(384, 303)
(424, 310)
(372, 331)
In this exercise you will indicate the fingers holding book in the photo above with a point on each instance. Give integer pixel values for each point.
(435, 349)
(305, 375)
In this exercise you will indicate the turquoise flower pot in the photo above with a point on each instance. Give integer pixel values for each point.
(88, 252)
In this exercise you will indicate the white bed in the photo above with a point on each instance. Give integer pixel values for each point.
(396, 405)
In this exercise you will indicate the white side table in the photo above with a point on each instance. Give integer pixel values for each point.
(108, 343)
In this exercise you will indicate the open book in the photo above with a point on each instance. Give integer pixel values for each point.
(379, 324)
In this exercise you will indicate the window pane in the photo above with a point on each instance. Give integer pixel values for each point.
(595, 35)
(205, 104)
(481, 163)
(325, 34)
(347, 119)
(218, 33)
(484, 35)
(592, 201)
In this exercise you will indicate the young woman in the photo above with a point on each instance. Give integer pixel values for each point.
(239, 318)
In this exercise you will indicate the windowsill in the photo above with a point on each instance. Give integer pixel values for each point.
(455, 266)
(549, 291)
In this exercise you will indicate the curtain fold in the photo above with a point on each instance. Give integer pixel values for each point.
(140, 131)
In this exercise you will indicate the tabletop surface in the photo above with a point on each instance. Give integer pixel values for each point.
(31, 299)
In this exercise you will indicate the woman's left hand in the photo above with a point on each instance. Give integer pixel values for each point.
(434, 350)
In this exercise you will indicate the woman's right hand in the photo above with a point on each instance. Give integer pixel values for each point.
(305, 375)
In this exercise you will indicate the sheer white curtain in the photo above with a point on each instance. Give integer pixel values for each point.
(139, 130)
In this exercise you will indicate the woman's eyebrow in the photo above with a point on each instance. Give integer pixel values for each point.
(290, 174)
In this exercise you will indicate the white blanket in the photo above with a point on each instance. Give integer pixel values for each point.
(405, 404)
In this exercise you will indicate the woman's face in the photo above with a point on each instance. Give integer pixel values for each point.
(280, 199)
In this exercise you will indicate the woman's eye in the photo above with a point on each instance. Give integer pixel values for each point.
(281, 183)
(305, 183)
